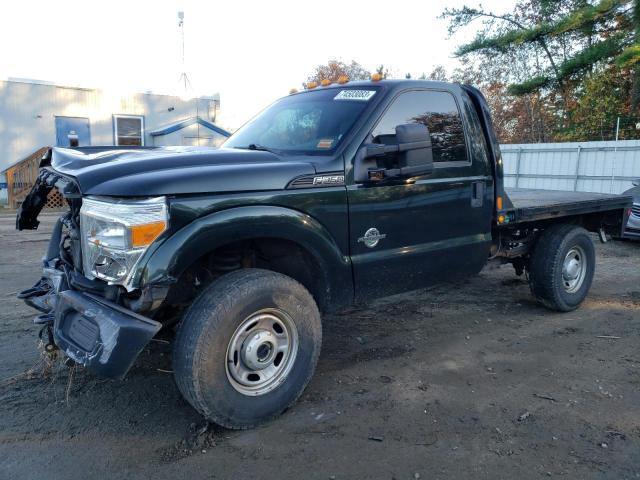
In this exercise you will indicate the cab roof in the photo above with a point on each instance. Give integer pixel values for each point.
(390, 84)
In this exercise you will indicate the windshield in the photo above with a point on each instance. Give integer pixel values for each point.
(309, 123)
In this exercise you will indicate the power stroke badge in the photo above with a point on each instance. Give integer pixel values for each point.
(372, 237)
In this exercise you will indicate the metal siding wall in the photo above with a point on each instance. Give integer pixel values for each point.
(581, 166)
(28, 111)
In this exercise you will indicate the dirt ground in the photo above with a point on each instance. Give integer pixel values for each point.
(472, 380)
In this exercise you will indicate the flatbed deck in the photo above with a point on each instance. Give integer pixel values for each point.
(531, 205)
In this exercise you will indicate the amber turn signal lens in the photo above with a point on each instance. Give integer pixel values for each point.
(143, 235)
(499, 203)
(501, 219)
(292, 91)
(342, 79)
(326, 82)
(376, 77)
(312, 85)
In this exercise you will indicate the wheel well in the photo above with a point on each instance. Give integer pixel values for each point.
(278, 255)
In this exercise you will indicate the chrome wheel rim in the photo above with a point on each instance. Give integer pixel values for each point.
(574, 269)
(261, 352)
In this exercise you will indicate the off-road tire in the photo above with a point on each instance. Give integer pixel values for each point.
(203, 336)
(546, 265)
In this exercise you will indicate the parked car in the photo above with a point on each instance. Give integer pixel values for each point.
(633, 225)
(330, 196)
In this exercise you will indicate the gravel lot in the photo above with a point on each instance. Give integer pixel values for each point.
(472, 380)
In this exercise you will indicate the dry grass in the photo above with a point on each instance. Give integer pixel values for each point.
(46, 367)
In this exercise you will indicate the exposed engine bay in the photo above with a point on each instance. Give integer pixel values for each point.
(70, 303)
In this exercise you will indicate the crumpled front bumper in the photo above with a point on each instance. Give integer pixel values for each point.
(93, 331)
(99, 334)
(96, 333)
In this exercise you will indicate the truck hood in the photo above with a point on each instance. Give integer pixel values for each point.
(174, 170)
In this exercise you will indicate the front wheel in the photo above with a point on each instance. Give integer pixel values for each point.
(247, 347)
(561, 267)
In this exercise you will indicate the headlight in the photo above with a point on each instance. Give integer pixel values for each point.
(115, 234)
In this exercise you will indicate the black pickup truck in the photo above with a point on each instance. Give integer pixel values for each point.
(334, 195)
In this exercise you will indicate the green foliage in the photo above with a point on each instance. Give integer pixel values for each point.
(585, 59)
(556, 70)
(597, 108)
(500, 43)
(532, 85)
(581, 18)
(629, 57)
(587, 16)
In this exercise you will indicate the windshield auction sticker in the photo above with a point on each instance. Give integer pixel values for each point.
(325, 143)
(360, 95)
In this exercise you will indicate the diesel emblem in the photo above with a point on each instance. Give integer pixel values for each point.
(372, 237)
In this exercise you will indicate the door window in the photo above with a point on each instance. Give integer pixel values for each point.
(438, 111)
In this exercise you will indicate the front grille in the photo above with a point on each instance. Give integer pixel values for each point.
(635, 210)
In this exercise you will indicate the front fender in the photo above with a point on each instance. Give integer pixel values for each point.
(179, 251)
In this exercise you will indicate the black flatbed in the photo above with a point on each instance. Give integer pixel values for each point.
(529, 205)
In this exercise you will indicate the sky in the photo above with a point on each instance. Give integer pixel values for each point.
(250, 52)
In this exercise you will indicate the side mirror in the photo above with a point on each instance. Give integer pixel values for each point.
(413, 155)
(414, 141)
(636, 182)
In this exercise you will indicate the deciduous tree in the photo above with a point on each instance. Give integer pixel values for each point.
(334, 69)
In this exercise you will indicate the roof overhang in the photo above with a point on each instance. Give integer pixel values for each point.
(174, 127)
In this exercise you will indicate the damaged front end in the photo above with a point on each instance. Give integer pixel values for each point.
(82, 315)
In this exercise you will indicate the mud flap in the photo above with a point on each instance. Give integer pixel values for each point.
(100, 335)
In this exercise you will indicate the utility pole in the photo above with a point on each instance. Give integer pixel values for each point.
(183, 76)
(184, 79)
(615, 155)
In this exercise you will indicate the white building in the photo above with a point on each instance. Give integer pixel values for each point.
(34, 114)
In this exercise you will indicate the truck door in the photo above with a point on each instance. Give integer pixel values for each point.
(409, 233)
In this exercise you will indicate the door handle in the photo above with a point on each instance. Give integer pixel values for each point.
(477, 194)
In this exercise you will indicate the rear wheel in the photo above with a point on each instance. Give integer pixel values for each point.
(561, 267)
(247, 347)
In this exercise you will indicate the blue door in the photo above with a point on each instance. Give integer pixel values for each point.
(72, 132)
